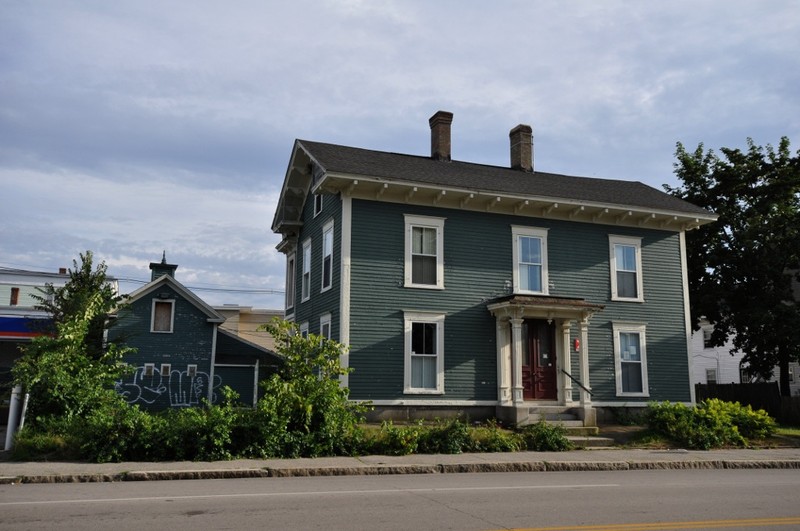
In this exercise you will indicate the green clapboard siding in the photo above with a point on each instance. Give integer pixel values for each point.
(240, 379)
(191, 342)
(320, 302)
(478, 268)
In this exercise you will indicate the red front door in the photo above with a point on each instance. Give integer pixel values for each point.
(539, 361)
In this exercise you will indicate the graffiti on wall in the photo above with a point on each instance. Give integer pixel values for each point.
(179, 388)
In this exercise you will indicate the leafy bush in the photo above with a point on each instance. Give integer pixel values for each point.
(398, 440)
(446, 437)
(492, 438)
(712, 424)
(544, 437)
(35, 445)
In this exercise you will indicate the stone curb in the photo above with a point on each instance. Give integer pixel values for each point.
(376, 470)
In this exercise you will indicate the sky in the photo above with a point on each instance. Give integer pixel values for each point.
(137, 127)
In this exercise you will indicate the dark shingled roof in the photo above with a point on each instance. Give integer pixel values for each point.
(492, 179)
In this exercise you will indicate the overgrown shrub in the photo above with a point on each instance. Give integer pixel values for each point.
(711, 424)
(445, 437)
(544, 437)
(492, 438)
(398, 439)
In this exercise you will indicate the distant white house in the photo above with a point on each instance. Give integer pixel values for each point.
(717, 365)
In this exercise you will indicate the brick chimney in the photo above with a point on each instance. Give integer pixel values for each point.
(522, 148)
(440, 135)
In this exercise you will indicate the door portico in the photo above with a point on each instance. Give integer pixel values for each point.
(534, 351)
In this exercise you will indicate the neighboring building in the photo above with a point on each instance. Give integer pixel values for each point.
(490, 291)
(19, 320)
(716, 365)
(183, 355)
(245, 321)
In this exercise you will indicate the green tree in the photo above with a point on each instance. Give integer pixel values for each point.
(304, 409)
(66, 381)
(743, 268)
(86, 286)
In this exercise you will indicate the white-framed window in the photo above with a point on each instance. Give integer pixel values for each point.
(166, 368)
(304, 330)
(707, 331)
(626, 268)
(530, 260)
(291, 271)
(163, 316)
(305, 281)
(424, 252)
(148, 370)
(424, 352)
(711, 376)
(317, 204)
(327, 256)
(191, 371)
(325, 326)
(630, 359)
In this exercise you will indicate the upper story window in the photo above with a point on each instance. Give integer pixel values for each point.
(317, 204)
(304, 330)
(424, 252)
(530, 260)
(327, 255)
(325, 326)
(14, 299)
(290, 283)
(630, 359)
(424, 352)
(626, 268)
(305, 288)
(163, 316)
(707, 331)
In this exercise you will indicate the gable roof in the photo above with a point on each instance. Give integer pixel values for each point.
(166, 280)
(321, 167)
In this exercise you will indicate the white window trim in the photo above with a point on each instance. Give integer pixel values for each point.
(148, 370)
(630, 328)
(304, 330)
(291, 283)
(424, 317)
(328, 227)
(427, 222)
(630, 241)
(530, 232)
(171, 316)
(317, 211)
(166, 368)
(325, 319)
(306, 269)
(191, 370)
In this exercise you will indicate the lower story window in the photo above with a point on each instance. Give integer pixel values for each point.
(630, 356)
(424, 352)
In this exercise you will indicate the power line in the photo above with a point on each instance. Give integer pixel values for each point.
(258, 291)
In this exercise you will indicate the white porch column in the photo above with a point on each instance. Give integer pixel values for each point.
(586, 398)
(503, 363)
(566, 363)
(516, 359)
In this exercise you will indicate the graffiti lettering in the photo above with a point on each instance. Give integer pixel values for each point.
(177, 387)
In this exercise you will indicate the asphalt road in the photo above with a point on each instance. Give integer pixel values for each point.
(628, 500)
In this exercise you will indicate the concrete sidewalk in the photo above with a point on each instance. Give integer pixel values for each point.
(577, 460)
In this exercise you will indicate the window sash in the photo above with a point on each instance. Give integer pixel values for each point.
(327, 257)
(630, 359)
(306, 280)
(423, 255)
(290, 283)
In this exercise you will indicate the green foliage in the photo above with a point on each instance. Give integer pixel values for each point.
(398, 440)
(712, 424)
(492, 438)
(87, 287)
(37, 445)
(64, 379)
(743, 267)
(544, 437)
(446, 437)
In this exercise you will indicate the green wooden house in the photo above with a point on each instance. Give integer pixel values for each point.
(483, 290)
(182, 354)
